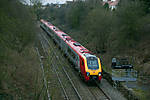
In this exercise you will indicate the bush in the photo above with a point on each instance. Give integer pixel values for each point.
(128, 23)
(98, 25)
(17, 27)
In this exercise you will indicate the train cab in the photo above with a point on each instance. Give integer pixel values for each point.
(92, 67)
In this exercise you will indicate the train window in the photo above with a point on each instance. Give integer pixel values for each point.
(64, 34)
(92, 63)
(56, 29)
(68, 39)
(49, 23)
(77, 44)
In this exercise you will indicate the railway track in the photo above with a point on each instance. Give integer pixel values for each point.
(59, 72)
(97, 92)
(107, 96)
(43, 72)
(98, 95)
(57, 75)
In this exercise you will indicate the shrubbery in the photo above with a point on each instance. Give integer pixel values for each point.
(19, 70)
(16, 26)
(106, 30)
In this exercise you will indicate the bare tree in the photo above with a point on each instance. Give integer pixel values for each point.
(31, 2)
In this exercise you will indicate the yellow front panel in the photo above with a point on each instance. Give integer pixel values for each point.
(92, 72)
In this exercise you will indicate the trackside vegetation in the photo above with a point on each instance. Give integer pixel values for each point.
(20, 75)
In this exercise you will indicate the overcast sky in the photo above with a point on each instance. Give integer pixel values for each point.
(54, 1)
(44, 2)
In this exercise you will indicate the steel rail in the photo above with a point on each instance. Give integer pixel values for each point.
(98, 85)
(68, 78)
(45, 82)
(92, 93)
(66, 96)
(59, 80)
(65, 72)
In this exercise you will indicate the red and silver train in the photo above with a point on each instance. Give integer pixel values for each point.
(88, 65)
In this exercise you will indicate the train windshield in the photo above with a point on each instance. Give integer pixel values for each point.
(92, 63)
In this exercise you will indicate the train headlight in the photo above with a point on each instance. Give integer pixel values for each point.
(99, 74)
(88, 74)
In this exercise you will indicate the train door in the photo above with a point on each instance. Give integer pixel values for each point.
(77, 63)
(82, 65)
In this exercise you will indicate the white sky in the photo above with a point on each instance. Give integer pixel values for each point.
(44, 2)
(54, 1)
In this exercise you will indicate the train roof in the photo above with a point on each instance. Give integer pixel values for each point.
(76, 46)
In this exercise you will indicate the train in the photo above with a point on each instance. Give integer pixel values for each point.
(85, 62)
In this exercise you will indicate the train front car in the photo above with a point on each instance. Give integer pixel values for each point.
(93, 69)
